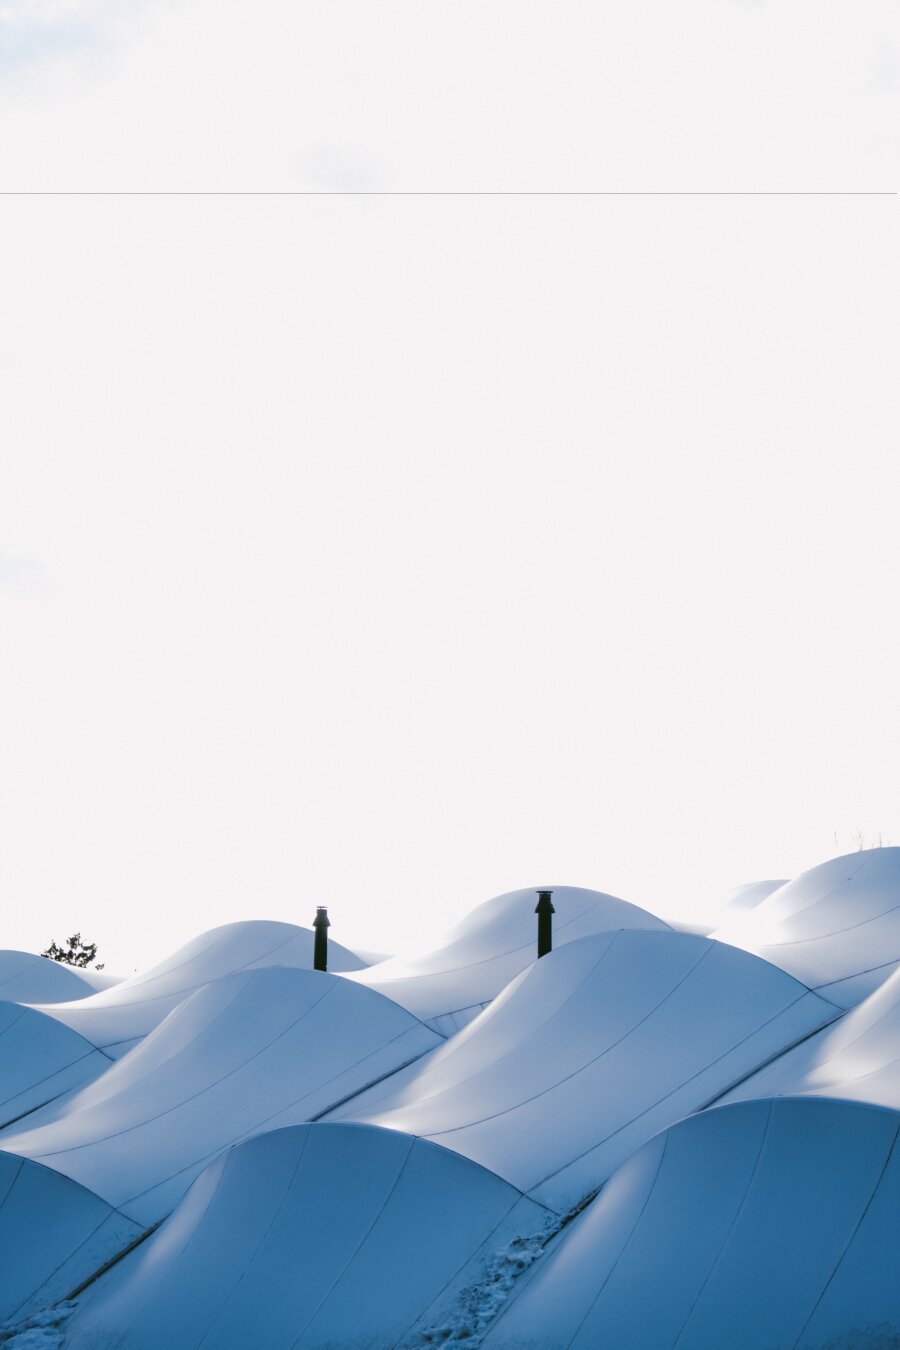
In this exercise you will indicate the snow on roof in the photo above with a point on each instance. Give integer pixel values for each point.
(835, 927)
(591, 1051)
(773, 1223)
(312, 1236)
(54, 1234)
(327, 1170)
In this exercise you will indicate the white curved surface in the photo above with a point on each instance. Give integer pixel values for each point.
(245, 1053)
(771, 1224)
(492, 945)
(315, 1236)
(836, 927)
(591, 1051)
(26, 978)
(40, 1059)
(54, 1234)
(858, 1058)
(401, 1217)
(750, 895)
(116, 1018)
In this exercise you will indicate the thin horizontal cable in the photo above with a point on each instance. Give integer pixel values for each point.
(526, 192)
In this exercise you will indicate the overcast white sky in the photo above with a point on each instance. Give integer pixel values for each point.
(391, 551)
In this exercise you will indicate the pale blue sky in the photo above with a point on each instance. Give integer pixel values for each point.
(391, 552)
(633, 95)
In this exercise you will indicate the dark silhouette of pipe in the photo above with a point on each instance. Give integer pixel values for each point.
(321, 923)
(544, 910)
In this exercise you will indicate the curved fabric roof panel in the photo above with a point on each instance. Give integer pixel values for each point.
(836, 927)
(748, 896)
(491, 946)
(591, 1051)
(858, 1058)
(771, 1224)
(115, 1019)
(246, 1053)
(314, 1236)
(40, 1059)
(54, 1234)
(26, 978)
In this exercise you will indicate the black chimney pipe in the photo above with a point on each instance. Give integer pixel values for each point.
(321, 923)
(544, 910)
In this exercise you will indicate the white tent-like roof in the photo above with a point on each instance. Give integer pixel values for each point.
(743, 898)
(116, 1018)
(40, 1058)
(773, 1223)
(648, 1138)
(54, 1234)
(591, 1051)
(835, 927)
(858, 1058)
(245, 1053)
(303, 1238)
(27, 978)
(479, 957)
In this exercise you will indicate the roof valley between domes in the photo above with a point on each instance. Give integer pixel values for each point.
(860, 1048)
(128, 1011)
(633, 1071)
(41, 1060)
(401, 1228)
(46, 1257)
(26, 977)
(693, 1241)
(262, 1048)
(544, 1107)
(844, 938)
(478, 962)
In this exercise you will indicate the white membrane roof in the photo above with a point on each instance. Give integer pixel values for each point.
(492, 945)
(305, 1238)
(835, 927)
(858, 1058)
(748, 896)
(114, 1019)
(591, 1051)
(40, 1059)
(54, 1234)
(27, 978)
(251, 1051)
(649, 1138)
(769, 1224)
